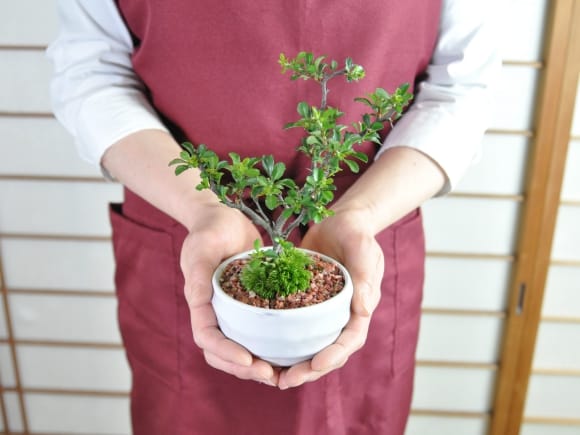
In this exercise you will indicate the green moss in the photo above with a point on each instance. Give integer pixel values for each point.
(270, 274)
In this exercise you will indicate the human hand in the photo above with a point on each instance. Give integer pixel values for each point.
(218, 232)
(345, 238)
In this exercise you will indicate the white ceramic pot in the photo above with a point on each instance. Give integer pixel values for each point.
(287, 336)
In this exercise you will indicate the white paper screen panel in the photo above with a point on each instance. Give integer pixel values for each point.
(471, 225)
(571, 183)
(514, 97)
(576, 119)
(40, 146)
(566, 245)
(553, 396)
(558, 347)
(28, 22)
(66, 208)
(24, 79)
(522, 36)
(459, 338)
(562, 293)
(61, 265)
(501, 167)
(68, 318)
(467, 390)
(545, 429)
(78, 414)
(74, 368)
(3, 325)
(6, 367)
(466, 283)
(427, 425)
(13, 411)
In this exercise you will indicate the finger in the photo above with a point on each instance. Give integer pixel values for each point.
(259, 370)
(331, 358)
(207, 336)
(351, 339)
(366, 272)
(297, 375)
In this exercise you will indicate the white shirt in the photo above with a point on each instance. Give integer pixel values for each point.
(98, 97)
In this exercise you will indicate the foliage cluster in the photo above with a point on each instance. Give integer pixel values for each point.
(257, 185)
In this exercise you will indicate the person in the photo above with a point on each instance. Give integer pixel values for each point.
(134, 78)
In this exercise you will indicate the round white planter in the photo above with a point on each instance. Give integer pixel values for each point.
(282, 337)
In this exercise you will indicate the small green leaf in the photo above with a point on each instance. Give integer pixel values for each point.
(268, 164)
(188, 146)
(176, 162)
(303, 109)
(271, 202)
(353, 166)
(180, 169)
(278, 170)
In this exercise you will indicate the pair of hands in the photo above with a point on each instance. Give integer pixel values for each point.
(222, 232)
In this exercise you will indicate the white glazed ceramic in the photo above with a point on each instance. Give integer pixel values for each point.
(282, 337)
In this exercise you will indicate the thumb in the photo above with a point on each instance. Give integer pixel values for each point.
(366, 272)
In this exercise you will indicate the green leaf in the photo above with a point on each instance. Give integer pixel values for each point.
(180, 169)
(188, 146)
(361, 156)
(271, 202)
(176, 162)
(235, 158)
(278, 170)
(380, 92)
(268, 164)
(287, 213)
(353, 166)
(303, 109)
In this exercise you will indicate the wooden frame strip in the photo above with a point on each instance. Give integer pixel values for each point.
(556, 372)
(64, 344)
(545, 173)
(73, 392)
(13, 354)
(552, 420)
(3, 413)
(450, 413)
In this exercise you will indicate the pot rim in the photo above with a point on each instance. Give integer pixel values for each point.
(346, 291)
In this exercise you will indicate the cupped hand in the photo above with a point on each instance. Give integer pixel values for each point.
(346, 238)
(217, 233)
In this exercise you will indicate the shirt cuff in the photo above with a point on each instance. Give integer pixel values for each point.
(452, 139)
(109, 116)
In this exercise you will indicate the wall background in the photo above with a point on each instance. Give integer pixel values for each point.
(62, 367)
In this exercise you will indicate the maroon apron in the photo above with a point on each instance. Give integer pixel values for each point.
(211, 72)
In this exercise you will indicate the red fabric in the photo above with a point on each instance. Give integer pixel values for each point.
(211, 71)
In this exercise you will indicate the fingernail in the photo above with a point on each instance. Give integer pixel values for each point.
(267, 382)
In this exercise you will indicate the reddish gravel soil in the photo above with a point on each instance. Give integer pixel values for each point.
(327, 281)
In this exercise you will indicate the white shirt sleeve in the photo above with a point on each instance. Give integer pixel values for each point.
(452, 107)
(97, 96)
(95, 93)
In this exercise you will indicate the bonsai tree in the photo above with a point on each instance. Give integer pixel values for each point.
(257, 185)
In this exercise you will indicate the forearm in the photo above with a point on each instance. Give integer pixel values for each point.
(395, 184)
(140, 162)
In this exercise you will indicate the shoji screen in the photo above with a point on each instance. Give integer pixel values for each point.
(62, 368)
(553, 401)
(471, 242)
(61, 363)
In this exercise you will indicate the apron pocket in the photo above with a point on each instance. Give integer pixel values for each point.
(409, 248)
(145, 279)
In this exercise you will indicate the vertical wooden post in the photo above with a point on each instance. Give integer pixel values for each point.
(557, 94)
